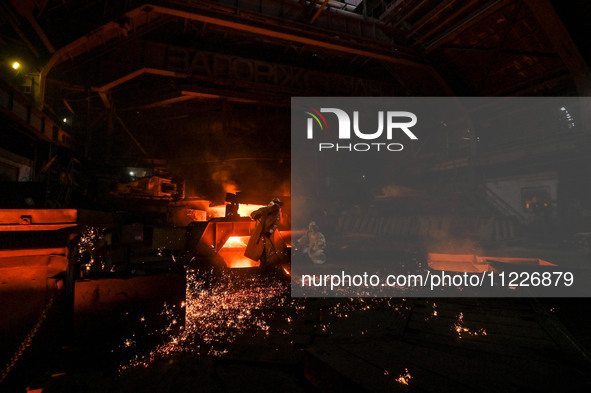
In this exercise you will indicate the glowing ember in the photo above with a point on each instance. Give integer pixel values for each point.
(433, 313)
(91, 240)
(461, 329)
(229, 310)
(218, 311)
(236, 260)
(404, 378)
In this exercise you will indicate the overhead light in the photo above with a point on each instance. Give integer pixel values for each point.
(65, 119)
(16, 65)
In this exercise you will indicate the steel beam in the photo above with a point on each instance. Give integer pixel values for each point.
(142, 71)
(318, 11)
(409, 13)
(388, 13)
(562, 42)
(510, 23)
(456, 14)
(149, 13)
(82, 45)
(250, 76)
(9, 18)
(231, 95)
(160, 103)
(130, 134)
(532, 89)
(291, 37)
(430, 15)
(464, 24)
(547, 55)
(40, 33)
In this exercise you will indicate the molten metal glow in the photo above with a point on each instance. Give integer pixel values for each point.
(236, 259)
(244, 210)
(236, 242)
(233, 253)
(216, 211)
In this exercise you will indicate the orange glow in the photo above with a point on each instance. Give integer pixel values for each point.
(236, 242)
(404, 378)
(231, 188)
(244, 210)
(217, 211)
(233, 253)
(37, 219)
(475, 263)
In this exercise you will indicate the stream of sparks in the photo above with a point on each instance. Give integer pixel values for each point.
(218, 311)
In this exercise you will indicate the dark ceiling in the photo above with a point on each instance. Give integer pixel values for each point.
(165, 78)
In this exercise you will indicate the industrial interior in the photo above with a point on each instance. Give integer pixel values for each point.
(139, 139)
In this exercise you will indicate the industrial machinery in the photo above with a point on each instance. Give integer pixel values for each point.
(154, 187)
(223, 240)
(34, 262)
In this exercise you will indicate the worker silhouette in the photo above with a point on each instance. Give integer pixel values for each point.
(313, 243)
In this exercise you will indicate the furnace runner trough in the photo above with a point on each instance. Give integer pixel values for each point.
(223, 241)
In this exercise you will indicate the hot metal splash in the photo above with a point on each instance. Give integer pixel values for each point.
(225, 311)
(220, 308)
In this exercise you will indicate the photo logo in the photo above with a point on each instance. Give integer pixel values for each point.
(316, 116)
(390, 121)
